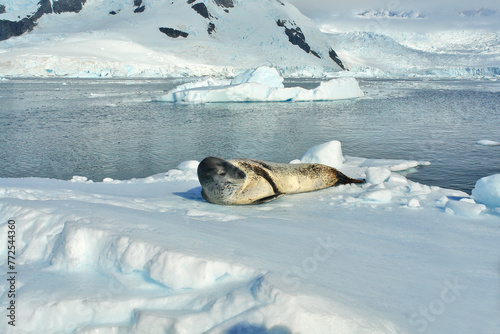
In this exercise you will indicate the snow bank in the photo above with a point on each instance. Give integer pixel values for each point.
(487, 190)
(150, 255)
(263, 84)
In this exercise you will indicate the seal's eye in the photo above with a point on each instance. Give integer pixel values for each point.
(222, 173)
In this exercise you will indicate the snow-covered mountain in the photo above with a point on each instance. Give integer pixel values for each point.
(159, 38)
(424, 38)
(454, 54)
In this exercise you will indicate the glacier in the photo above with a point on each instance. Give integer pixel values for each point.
(447, 54)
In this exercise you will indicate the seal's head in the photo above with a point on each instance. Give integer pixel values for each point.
(219, 179)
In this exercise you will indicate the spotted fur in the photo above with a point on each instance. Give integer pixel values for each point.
(248, 181)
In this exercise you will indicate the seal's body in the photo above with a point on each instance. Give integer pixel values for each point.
(248, 181)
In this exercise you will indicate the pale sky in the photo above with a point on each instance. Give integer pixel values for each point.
(435, 14)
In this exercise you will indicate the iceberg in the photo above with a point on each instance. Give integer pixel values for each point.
(263, 84)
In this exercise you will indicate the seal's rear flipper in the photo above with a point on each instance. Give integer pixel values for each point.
(267, 199)
(344, 179)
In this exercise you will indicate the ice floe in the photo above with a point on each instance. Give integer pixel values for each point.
(150, 255)
(263, 84)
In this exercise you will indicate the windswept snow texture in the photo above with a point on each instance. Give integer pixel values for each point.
(263, 84)
(141, 38)
(150, 256)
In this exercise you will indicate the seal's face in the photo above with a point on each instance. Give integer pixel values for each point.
(219, 179)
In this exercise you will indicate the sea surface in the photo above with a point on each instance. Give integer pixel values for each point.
(98, 128)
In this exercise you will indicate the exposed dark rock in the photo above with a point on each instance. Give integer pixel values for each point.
(280, 2)
(190, 1)
(211, 28)
(295, 35)
(9, 29)
(174, 33)
(2, 9)
(201, 9)
(44, 8)
(336, 58)
(224, 3)
(140, 9)
(316, 54)
(112, 12)
(64, 6)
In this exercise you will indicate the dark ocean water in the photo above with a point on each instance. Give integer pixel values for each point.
(58, 128)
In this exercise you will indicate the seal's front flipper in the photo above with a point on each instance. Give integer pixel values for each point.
(267, 199)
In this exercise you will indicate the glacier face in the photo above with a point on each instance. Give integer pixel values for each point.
(450, 54)
(160, 38)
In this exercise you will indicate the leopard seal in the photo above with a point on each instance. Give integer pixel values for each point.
(249, 181)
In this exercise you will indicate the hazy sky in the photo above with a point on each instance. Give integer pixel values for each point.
(435, 14)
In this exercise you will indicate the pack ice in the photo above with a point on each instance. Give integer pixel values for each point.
(150, 256)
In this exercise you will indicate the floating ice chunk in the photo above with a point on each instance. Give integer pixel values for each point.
(487, 191)
(486, 142)
(394, 165)
(397, 179)
(329, 154)
(263, 84)
(377, 175)
(463, 208)
(80, 179)
(418, 188)
(188, 165)
(210, 82)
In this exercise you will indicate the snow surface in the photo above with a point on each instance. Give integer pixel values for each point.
(263, 84)
(371, 40)
(449, 54)
(149, 256)
(94, 43)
